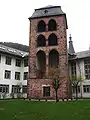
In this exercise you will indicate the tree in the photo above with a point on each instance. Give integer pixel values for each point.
(54, 74)
(75, 80)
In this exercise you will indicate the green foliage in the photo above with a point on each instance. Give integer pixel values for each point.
(76, 79)
(55, 84)
(54, 74)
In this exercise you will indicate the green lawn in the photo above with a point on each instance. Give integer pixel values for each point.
(27, 110)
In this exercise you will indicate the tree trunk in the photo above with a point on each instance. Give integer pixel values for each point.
(76, 92)
(56, 96)
(81, 89)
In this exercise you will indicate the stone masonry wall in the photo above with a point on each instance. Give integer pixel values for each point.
(34, 84)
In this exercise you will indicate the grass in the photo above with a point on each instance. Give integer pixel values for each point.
(31, 110)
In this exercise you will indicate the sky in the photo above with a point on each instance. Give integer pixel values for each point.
(14, 23)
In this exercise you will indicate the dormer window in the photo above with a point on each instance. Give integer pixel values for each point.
(45, 11)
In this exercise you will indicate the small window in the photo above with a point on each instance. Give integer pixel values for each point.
(52, 40)
(17, 75)
(45, 11)
(8, 60)
(41, 41)
(73, 69)
(7, 74)
(25, 75)
(26, 62)
(4, 88)
(16, 89)
(41, 26)
(24, 88)
(18, 62)
(52, 25)
(86, 88)
(46, 91)
(74, 89)
(87, 68)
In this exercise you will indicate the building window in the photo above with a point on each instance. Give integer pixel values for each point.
(73, 69)
(87, 68)
(0, 58)
(25, 75)
(16, 89)
(46, 91)
(24, 89)
(41, 27)
(17, 75)
(18, 62)
(7, 74)
(52, 25)
(8, 60)
(4, 88)
(86, 88)
(26, 62)
(41, 41)
(74, 89)
(52, 40)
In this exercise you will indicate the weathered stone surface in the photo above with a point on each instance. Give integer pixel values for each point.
(35, 85)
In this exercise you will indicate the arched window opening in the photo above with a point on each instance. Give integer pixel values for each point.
(41, 64)
(53, 59)
(52, 25)
(52, 40)
(41, 42)
(41, 26)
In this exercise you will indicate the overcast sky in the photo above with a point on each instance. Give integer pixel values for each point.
(14, 23)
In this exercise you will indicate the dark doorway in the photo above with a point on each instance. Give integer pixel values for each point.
(46, 91)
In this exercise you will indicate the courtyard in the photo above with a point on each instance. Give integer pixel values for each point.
(40, 110)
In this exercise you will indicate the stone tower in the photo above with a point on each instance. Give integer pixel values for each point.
(47, 49)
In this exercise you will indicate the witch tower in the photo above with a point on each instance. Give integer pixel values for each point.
(47, 49)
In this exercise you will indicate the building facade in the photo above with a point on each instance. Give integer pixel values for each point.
(47, 49)
(13, 72)
(79, 65)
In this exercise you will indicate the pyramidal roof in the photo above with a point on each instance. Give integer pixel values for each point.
(48, 7)
(71, 48)
(47, 11)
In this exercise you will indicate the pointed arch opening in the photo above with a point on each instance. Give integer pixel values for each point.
(52, 40)
(41, 26)
(53, 59)
(51, 25)
(41, 64)
(41, 41)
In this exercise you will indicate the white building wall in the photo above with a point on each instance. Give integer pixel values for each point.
(13, 69)
(84, 81)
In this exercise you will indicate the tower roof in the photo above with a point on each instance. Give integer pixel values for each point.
(48, 11)
(71, 48)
